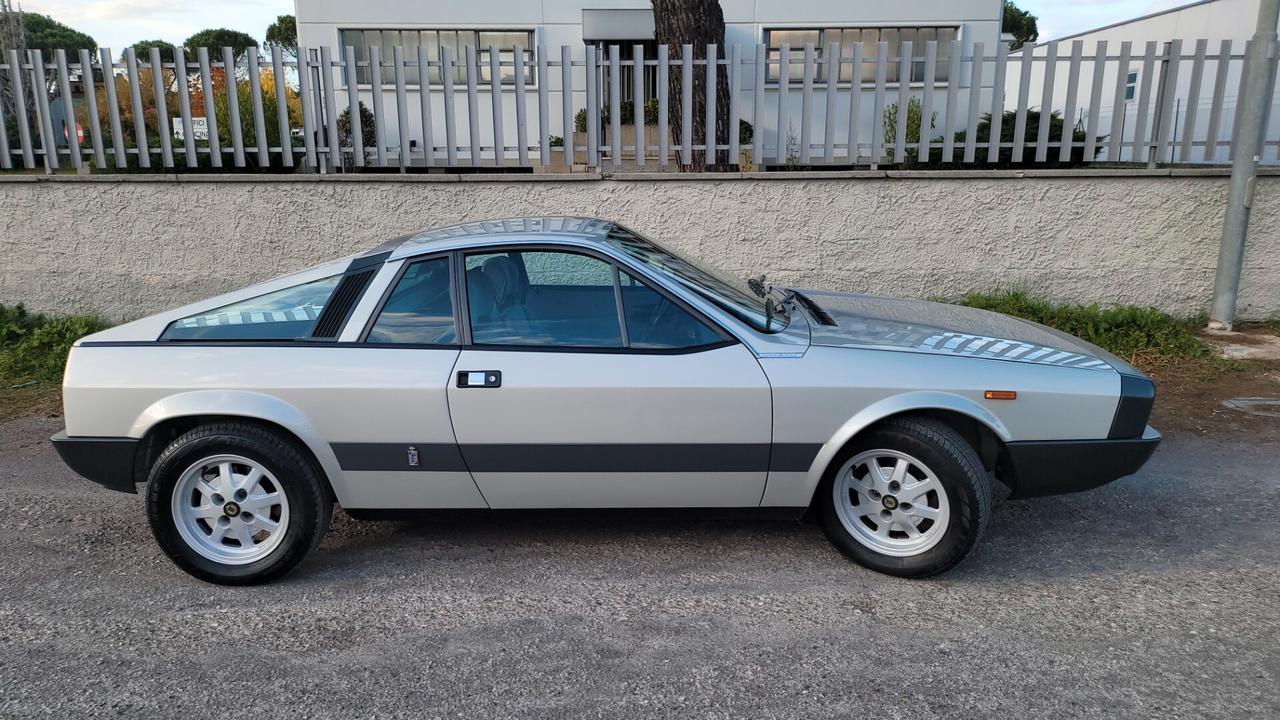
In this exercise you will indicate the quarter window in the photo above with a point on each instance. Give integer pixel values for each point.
(420, 308)
(288, 314)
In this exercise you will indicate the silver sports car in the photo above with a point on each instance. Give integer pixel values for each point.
(571, 362)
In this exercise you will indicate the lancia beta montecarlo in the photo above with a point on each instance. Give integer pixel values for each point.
(573, 363)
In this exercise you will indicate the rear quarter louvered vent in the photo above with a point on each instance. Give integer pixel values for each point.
(339, 307)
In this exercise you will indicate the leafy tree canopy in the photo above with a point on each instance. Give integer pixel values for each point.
(218, 38)
(1020, 24)
(283, 33)
(41, 32)
(142, 49)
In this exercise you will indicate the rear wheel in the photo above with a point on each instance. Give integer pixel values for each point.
(909, 498)
(236, 504)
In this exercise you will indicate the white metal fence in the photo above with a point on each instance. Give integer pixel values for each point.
(838, 106)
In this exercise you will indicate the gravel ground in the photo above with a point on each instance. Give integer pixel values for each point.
(1158, 595)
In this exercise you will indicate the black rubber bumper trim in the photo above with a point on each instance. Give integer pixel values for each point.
(1035, 469)
(1137, 395)
(107, 461)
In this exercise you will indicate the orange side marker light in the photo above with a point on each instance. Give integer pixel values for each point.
(1000, 395)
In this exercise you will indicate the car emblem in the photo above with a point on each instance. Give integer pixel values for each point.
(231, 509)
(413, 456)
(890, 502)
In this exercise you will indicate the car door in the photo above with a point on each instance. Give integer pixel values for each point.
(581, 386)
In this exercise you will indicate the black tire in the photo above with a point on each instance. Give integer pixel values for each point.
(957, 467)
(310, 506)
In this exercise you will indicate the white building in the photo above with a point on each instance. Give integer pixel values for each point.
(1211, 21)
(457, 24)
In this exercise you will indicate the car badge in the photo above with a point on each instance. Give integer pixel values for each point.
(413, 456)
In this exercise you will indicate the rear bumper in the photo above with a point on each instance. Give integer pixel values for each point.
(106, 461)
(1033, 469)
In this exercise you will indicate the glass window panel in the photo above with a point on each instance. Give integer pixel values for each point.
(419, 309)
(541, 298)
(355, 38)
(411, 39)
(892, 37)
(466, 39)
(372, 38)
(430, 40)
(796, 39)
(390, 39)
(942, 71)
(870, 46)
(288, 314)
(656, 322)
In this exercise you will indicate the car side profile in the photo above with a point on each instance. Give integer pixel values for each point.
(560, 362)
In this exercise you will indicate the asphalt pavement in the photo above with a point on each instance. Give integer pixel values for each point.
(1155, 596)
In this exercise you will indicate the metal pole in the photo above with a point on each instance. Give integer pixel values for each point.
(1247, 146)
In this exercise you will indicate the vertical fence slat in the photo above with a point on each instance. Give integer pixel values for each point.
(184, 108)
(1095, 99)
(1215, 106)
(926, 101)
(566, 101)
(1024, 102)
(403, 138)
(637, 100)
(424, 106)
(1240, 93)
(976, 62)
(544, 111)
(806, 106)
(330, 106)
(831, 60)
(1169, 84)
(162, 112)
(709, 126)
(473, 104)
(615, 105)
(953, 91)
(522, 134)
(877, 117)
(6, 162)
(352, 77)
(282, 106)
(904, 103)
(255, 100)
(233, 106)
(69, 111)
(495, 102)
(1118, 107)
(308, 106)
(379, 116)
(855, 100)
(135, 100)
(1046, 101)
(20, 104)
(210, 114)
(997, 102)
(1069, 113)
(757, 106)
(1193, 100)
(450, 117)
(39, 87)
(1138, 149)
(784, 120)
(593, 109)
(664, 117)
(686, 104)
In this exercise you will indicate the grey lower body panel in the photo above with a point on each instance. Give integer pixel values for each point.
(1056, 467)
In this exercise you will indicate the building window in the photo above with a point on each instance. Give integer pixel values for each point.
(433, 40)
(1130, 84)
(869, 37)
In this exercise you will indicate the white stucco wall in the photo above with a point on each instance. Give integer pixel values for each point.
(128, 248)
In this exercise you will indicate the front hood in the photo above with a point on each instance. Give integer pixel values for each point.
(870, 321)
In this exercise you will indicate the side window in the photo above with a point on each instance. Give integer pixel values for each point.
(542, 298)
(419, 309)
(656, 322)
(288, 314)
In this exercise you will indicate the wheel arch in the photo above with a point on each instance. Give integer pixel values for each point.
(166, 419)
(977, 425)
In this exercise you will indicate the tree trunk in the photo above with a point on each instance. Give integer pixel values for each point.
(697, 23)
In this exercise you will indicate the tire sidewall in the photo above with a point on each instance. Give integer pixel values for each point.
(293, 481)
(962, 495)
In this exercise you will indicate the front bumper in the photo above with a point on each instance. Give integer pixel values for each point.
(1034, 469)
(107, 461)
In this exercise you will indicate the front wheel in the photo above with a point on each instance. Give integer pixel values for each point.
(909, 498)
(236, 504)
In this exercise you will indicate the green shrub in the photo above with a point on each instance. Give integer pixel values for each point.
(15, 323)
(1127, 331)
(35, 347)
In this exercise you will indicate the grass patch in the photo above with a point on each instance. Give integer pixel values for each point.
(33, 354)
(1146, 337)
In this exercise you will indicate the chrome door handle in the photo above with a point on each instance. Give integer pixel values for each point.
(479, 378)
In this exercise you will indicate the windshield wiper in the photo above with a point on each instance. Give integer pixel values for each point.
(757, 286)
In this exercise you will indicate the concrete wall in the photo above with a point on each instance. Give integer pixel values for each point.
(128, 247)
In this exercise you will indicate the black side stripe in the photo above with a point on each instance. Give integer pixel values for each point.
(633, 457)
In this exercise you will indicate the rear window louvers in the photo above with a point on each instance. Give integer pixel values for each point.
(339, 307)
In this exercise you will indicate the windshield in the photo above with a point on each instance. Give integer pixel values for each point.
(731, 293)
